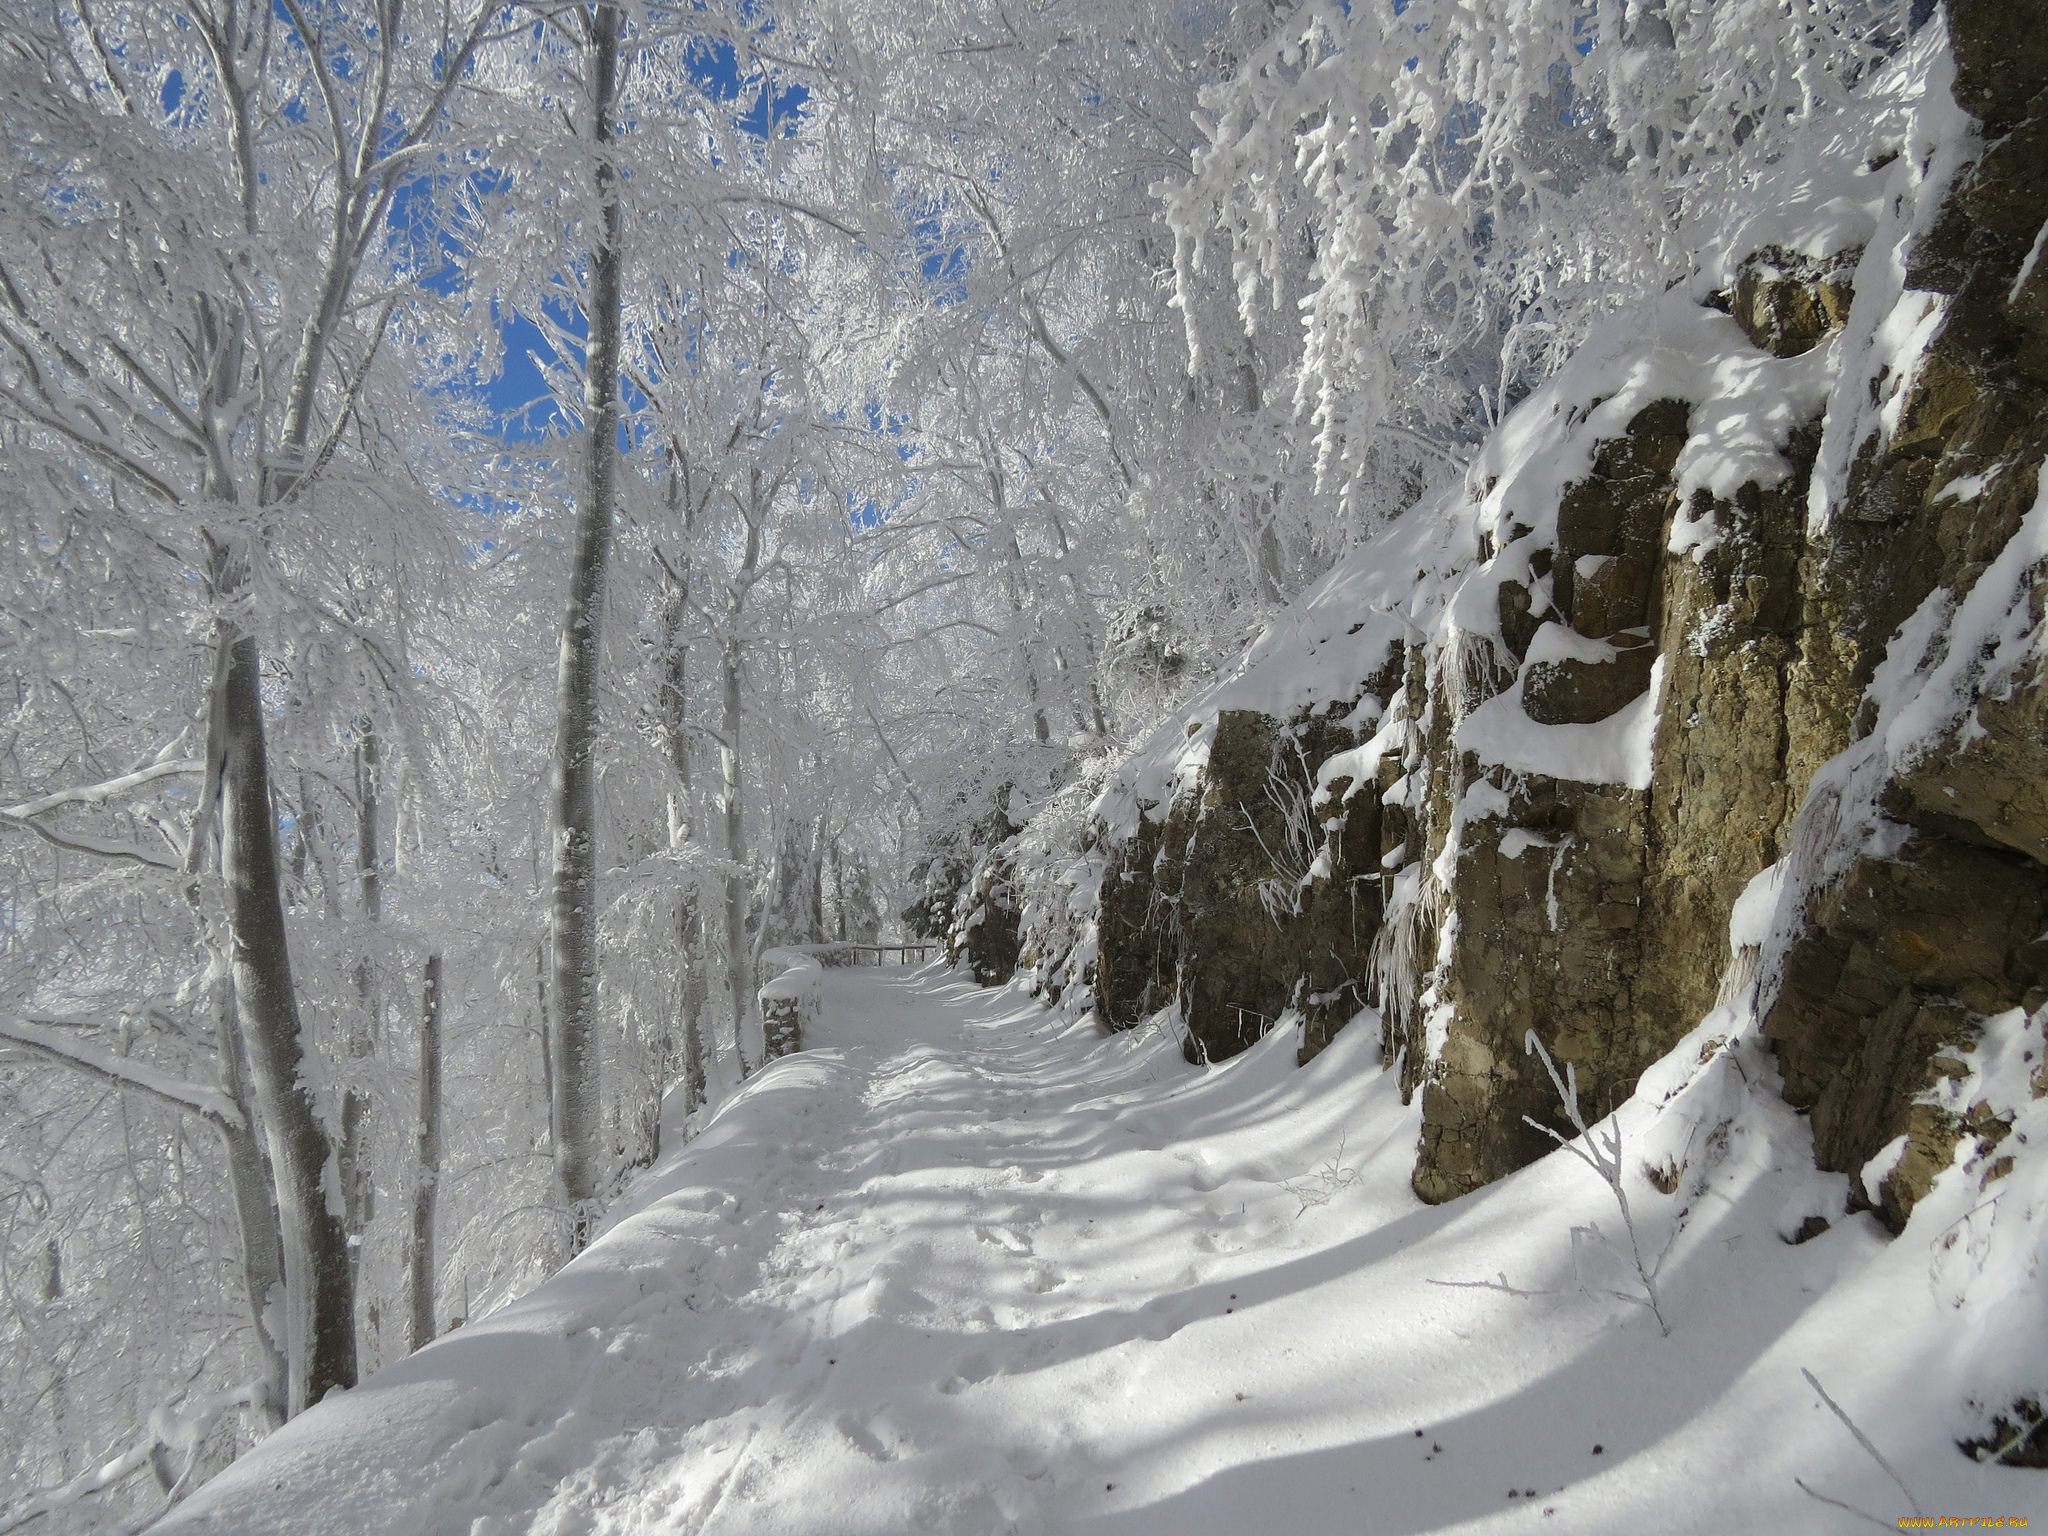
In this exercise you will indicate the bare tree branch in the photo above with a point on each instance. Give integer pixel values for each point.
(80, 842)
(95, 794)
(130, 1076)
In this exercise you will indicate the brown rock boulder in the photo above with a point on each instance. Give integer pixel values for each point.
(1788, 303)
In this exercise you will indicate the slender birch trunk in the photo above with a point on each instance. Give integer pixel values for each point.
(427, 1182)
(573, 926)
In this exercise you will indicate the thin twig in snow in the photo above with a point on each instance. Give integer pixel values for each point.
(1863, 1440)
(1605, 1159)
(1500, 1285)
(1861, 1514)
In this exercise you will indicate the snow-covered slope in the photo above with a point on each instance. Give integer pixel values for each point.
(966, 1268)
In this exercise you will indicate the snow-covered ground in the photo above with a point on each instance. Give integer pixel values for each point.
(965, 1267)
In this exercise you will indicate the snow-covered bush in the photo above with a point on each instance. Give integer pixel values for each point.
(1057, 863)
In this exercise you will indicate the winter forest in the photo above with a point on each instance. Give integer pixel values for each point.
(1386, 652)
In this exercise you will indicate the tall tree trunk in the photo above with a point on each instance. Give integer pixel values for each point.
(838, 892)
(547, 1049)
(576, 1065)
(1013, 583)
(814, 884)
(737, 959)
(1265, 540)
(319, 1286)
(1081, 610)
(690, 935)
(672, 695)
(369, 848)
(358, 1189)
(302, 844)
(249, 1181)
(671, 711)
(427, 1181)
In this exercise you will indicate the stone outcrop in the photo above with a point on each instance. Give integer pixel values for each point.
(1937, 919)
(1596, 914)
(1244, 899)
(1788, 302)
(1882, 992)
(988, 937)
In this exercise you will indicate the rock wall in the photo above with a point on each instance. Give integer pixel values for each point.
(1931, 912)
(987, 936)
(1738, 620)
(1595, 914)
(1246, 899)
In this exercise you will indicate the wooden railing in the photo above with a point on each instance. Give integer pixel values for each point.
(835, 955)
(904, 953)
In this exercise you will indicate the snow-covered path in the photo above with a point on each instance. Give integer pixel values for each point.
(964, 1268)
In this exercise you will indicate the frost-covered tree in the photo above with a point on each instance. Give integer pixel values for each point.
(1422, 208)
(201, 278)
(573, 916)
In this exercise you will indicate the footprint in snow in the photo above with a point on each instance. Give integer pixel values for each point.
(891, 1294)
(1011, 1242)
(1162, 1319)
(865, 1439)
(970, 1371)
(1029, 1464)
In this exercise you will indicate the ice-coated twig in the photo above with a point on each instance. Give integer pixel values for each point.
(1500, 1285)
(123, 1072)
(1861, 1514)
(1863, 1440)
(1332, 1175)
(1604, 1159)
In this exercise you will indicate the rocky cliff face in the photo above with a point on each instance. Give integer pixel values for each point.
(1717, 684)
(986, 935)
(1925, 911)
(1243, 901)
